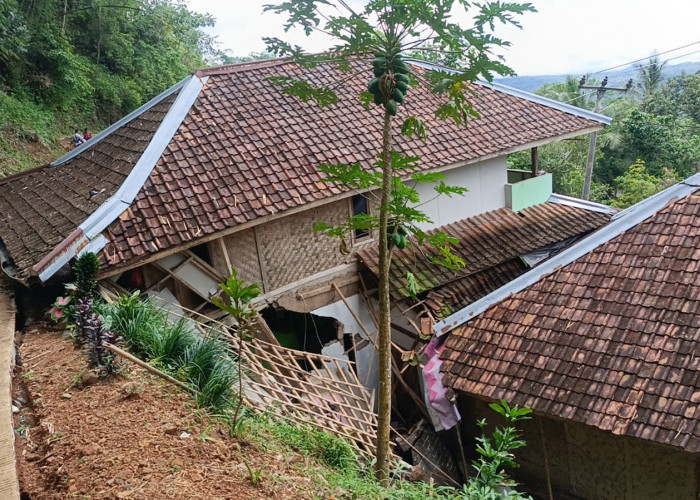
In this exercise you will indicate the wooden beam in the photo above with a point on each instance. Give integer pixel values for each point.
(261, 264)
(224, 251)
(149, 368)
(265, 329)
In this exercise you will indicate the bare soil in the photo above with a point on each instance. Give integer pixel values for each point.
(132, 435)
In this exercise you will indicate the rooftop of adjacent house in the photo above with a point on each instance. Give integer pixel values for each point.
(605, 334)
(491, 246)
(228, 148)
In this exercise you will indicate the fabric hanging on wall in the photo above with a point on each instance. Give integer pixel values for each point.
(444, 414)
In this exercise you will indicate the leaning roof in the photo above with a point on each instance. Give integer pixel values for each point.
(233, 149)
(490, 244)
(608, 332)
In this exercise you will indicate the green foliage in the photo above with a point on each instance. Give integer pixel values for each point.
(637, 184)
(239, 297)
(496, 453)
(650, 76)
(206, 364)
(169, 344)
(97, 60)
(327, 448)
(658, 126)
(86, 268)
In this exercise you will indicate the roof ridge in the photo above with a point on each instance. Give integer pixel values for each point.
(23, 173)
(118, 124)
(242, 66)
(522, 94)
(622, 222)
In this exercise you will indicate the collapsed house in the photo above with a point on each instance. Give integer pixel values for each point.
(220, 171)
(601, 343)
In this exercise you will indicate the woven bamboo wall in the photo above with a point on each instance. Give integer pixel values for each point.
(291, 250)
(243, 254)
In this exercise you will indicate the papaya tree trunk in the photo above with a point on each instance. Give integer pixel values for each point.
(383, 454)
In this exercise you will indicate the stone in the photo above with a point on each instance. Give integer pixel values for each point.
(89, 377)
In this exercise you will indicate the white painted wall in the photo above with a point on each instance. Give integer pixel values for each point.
(485, 181)
(367, 367)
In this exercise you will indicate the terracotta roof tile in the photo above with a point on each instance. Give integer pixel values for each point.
(41, 207)
(618, 353)
(256, 150)
(490, 245)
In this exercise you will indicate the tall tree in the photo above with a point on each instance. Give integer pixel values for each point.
(374, 39)
(651, 76)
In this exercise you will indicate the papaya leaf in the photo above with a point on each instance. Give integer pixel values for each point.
(414, 126)
(304, 90)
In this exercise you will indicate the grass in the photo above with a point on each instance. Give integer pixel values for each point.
(28, 129)
(204, 363)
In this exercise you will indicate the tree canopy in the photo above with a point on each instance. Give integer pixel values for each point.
(95, 58)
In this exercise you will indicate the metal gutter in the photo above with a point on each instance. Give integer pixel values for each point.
(118, 124)
(621, 222)
(87, 236)
(522, 94)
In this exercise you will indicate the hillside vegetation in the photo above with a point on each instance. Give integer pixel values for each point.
(652, 143)
(68, 64)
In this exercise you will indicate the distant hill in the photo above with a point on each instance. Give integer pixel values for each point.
(616, 78)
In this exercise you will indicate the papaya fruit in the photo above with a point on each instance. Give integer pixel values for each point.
(373, 86)
(402, 241)
(403, 87)
(402, 78)
(391, 107)
(398, 96)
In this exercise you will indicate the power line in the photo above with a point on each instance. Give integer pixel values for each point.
(661, 62)
(645, 58)
(569, 101)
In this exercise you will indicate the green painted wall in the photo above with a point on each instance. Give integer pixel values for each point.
(529, 192)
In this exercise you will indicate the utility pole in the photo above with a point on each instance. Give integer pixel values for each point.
(600, 92)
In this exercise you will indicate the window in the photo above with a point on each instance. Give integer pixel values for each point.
(359, 206)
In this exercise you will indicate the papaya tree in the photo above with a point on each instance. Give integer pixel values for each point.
(376, 39)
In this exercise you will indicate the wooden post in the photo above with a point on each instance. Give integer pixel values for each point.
(224, 251)
(546, 460)
(535, 161)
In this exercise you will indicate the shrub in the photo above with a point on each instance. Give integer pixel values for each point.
(139, 321)
(86, 268)
(96, 335)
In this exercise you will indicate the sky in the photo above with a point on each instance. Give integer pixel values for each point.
(563, 37)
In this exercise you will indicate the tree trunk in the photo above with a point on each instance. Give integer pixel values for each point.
(383, 453)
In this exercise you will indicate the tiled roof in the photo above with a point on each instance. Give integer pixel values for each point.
(446, 299)
(609, 340)
(41, 207)
(246, 151)
(488, 243)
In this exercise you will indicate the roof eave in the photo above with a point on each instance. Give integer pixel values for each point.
(522, 94)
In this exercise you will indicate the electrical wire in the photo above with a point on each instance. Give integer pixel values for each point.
(645, 58)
